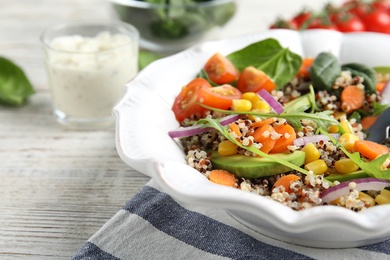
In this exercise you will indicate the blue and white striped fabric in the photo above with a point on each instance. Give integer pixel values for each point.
(152, 225)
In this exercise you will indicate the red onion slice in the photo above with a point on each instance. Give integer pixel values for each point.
(343, 188)
(301, 141)
(198, 129)
(274, 104)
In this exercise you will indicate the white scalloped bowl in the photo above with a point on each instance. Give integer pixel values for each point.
(144, 118)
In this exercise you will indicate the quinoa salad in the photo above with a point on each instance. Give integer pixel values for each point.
(296, 134)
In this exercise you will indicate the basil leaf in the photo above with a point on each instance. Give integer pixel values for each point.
(15, 87)
(324, 71)
(279, 63)
(367, 73)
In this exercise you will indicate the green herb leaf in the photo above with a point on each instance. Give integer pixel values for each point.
(209, 122)
(372, 168)
(324, 71)
(321, 119)
(15, 87)
(279, 63)
(368, 74)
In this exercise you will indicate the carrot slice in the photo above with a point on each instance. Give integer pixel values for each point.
(285, 181)
(264, 135)
(234, 127)
(267, 121)
(368, 121)
(287, 138)
(370, 149)
(304, 70)
(223, 177)
(352, 98)
(380, 86)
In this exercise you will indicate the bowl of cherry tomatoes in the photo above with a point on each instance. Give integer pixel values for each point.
(351, 16)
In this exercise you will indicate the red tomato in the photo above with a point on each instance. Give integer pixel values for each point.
(357, 8)
(301, 18)
(252, 80)
(219, 97)
(349, 23)
(322, 23)
(377, 21)
(185, 103)
(382, 4)
(220, 70)
(283, 24)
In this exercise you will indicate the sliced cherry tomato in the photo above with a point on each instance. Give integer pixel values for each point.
(220, 70)
(377, 21)
(349, 23)
(185, 103)
(219, 97)
(252, 80)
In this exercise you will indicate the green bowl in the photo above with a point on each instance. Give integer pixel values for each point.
(173, 27)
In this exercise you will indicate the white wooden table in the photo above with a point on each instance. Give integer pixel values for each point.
(58, 186)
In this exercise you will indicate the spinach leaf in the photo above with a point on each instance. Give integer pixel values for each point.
(324, 71)
(279, 63)
(15, 87)
(368, 74)
(184, 18)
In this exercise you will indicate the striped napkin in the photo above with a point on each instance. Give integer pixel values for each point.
(152, 225)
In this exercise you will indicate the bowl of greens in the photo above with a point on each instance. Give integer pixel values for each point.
(171, 26)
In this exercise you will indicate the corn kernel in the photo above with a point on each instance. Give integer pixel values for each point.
(348, 140)
(226, 148)
(337, 114)
(346, 126)
(317, 167)
(311, 153)
(251, 96)
(345, 165)
(366, 198)
(242, 105)
(261, 106)
(333, 129)
(383, 197)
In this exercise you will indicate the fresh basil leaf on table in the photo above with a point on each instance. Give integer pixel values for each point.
(15, 87)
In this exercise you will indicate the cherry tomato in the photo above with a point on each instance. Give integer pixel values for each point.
(220, 70)
(349, 23)
(382, 5)
(185, 104)
(322, 23)
(219, 97)
(252, 80)
(299, 19)
(377, 21)
(284, 24)
(357, 8)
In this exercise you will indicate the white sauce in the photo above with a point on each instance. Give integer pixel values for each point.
(87, 75)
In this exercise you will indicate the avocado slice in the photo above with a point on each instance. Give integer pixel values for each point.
(255, 167)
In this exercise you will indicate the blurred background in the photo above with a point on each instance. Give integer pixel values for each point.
(22, 22)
